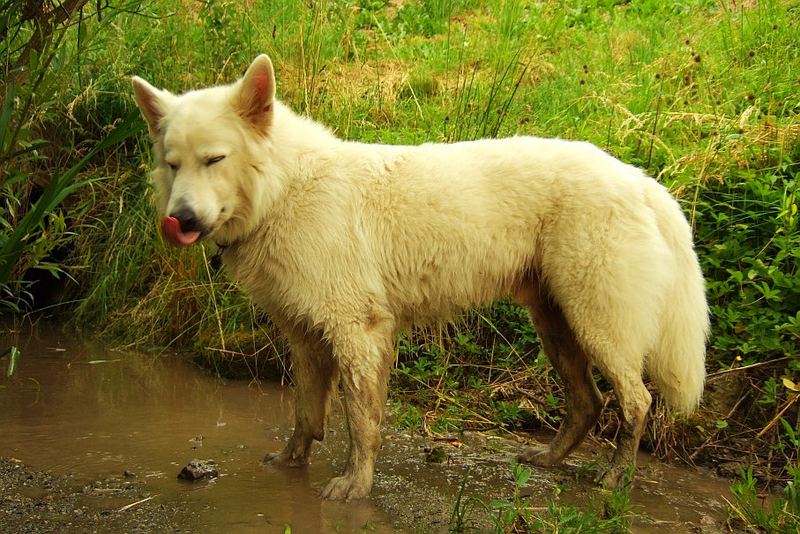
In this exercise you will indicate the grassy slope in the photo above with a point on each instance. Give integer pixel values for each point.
(701, 94)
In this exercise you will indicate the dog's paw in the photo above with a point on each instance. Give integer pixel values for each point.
(285, 458)
(345, 488)
(541, 456)
(615, 477)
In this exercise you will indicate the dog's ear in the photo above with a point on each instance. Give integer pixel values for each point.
(256, 94)
(152, 103)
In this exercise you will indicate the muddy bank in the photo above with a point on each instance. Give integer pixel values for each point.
(415, 491)
(81, 415)
(85, 412)
(416, 495)
(34, 501)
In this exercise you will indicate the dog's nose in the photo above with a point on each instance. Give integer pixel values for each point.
(187, 219)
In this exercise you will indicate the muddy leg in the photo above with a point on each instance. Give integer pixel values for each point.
(634, 401)
(315, 377)
(583, 399)
(364, 359)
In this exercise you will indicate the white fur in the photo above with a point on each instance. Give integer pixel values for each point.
(355, 241)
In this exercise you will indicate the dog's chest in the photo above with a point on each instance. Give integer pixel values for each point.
(268, 282)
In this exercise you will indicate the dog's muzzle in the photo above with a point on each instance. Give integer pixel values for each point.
(181, 229)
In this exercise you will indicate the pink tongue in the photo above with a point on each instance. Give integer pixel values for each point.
(171, 228)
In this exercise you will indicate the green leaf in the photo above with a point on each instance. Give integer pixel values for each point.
(12, 361)
(790, 385)
(736, 275)
(5, 119)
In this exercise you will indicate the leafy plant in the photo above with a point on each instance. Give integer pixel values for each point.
(515, 514)
(36, 49)
(782, 514)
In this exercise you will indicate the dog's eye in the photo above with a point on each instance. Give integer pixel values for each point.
(214, 159)
(173, 166)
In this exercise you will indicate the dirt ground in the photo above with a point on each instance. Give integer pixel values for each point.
(39, 501)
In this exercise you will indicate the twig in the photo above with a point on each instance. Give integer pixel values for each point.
(775, 419)
(131, 505)
(751, 366)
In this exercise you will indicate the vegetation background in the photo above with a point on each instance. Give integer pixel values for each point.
(703, 94)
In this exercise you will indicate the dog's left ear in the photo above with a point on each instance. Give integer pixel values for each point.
(152, 102)
(257, 94)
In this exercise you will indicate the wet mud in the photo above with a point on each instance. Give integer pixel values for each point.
(35, 501)
(94, 439)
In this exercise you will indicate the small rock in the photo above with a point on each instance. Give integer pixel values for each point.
(708, 525)
(437, 455)
(198, 469)
(129, 474)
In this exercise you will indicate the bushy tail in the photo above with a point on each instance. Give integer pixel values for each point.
(677, 363)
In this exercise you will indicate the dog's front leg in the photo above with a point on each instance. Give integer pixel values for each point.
(364, 359)
(315, 377)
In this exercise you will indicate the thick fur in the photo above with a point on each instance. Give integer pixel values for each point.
(345, 243)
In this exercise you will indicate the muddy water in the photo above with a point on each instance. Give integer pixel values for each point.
(82, 409)
(74, 408)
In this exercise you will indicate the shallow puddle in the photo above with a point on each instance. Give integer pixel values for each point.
(81, 409)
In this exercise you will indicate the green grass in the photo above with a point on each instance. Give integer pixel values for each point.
(752, 511)
(702, 94)
(611, 514)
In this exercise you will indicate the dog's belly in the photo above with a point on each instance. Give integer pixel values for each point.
(457, 285)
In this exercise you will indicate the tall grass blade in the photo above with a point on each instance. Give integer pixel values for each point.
(14, 354)
(56, 191)
(5, 118)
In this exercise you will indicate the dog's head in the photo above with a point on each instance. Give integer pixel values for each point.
(209, 149)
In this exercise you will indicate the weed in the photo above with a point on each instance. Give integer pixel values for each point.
(13, 354)
(36, 48)
(516, 514)
(764, 513)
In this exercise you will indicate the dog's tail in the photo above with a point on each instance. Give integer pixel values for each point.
(677, 363)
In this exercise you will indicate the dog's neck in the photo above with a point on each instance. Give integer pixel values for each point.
(295, 136)
(286, 156)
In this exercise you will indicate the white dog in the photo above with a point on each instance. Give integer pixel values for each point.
(344, 244)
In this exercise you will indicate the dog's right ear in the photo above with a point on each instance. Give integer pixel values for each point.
(152, 103)
(257, 94)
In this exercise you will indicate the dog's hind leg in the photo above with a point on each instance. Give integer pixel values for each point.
(364, 356)
(634, 401)
(583, 399)
(315, 375)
